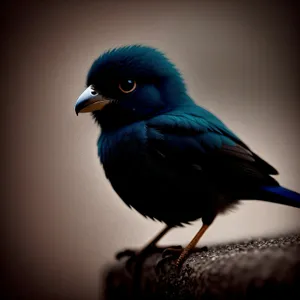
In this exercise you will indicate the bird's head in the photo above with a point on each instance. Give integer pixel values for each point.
(130, 83)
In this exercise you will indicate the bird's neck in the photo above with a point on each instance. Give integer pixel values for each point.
(113, 118)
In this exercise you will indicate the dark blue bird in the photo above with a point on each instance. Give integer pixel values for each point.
(170, 159)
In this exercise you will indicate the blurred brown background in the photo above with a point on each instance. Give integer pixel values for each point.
(62, 222)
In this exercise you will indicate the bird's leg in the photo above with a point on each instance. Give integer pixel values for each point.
(182, 254)
(191, 245)
(150, 246)
(136, 258)
(156, 239)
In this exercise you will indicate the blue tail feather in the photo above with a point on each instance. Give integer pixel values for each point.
(281, 195)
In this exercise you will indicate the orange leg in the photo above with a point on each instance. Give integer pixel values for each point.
(191, 245)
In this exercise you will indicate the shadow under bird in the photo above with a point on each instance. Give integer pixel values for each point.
(167, 157)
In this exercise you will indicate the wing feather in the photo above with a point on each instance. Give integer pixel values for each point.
(205, 143)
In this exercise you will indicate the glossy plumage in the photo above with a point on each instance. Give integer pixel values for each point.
(164, 155)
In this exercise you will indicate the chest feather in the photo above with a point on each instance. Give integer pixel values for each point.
(122, 148)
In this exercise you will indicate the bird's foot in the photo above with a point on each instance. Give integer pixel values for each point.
(137, 256)
(172, 258)
(126, 253)
(132, 258)
(134, 253)
(168, 260)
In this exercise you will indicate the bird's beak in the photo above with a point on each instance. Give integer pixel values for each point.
(89, 101)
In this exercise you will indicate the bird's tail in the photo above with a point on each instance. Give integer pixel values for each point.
(279, 194)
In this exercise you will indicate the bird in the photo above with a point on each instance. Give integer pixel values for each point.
(170, 159)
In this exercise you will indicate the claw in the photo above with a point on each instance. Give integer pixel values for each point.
(165, 265)
(172, 251)
(125, 253)
(168, 260)
(135, 257)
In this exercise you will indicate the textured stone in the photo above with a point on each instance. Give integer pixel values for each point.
(245, 270)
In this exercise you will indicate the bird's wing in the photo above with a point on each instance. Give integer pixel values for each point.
(200, 140)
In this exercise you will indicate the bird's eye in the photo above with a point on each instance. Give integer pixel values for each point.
(127, 86)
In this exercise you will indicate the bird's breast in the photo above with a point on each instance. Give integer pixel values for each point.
(123, 156)
(144, 182)
(120, 149)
